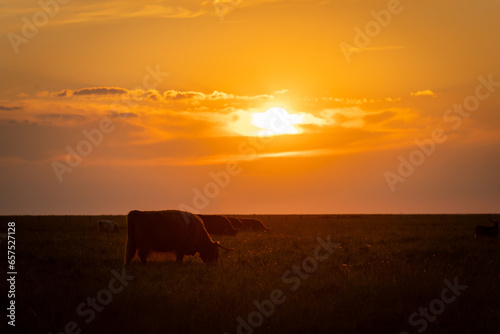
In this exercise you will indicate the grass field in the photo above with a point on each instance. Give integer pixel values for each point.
(386, 268)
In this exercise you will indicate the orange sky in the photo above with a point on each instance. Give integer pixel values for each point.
(157, 98)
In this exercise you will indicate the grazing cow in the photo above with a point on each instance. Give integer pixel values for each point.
(108, 226)
(216, 224)
(253, 224)
(236, 222)
(487, 231)
(173, 231)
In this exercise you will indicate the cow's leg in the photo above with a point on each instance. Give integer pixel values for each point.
(130, 251)
(143, 255)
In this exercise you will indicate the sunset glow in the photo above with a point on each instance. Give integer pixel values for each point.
(250, 166)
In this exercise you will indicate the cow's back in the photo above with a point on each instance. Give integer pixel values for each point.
(217, 224)
(162, 231)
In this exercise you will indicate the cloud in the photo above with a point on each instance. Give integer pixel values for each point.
(156, 115)
(102, 11)
(281, 91)
(180, 95)
(85, 92)
(348, 117)
(153, 95)
(379, 117)
(63, 93)
(5, 108)
(114, 114)
(108, 10)
(426, 92)
(63, 117)
(100, 91)
(177, 113)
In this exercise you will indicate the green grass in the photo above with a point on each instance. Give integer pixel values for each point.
(386, 268)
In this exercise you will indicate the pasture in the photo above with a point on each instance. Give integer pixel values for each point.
(386, 268)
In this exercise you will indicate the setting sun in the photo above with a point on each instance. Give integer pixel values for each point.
(277, 121)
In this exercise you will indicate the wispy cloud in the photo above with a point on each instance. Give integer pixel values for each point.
(9, 108)
(111, 10)
(378, 48)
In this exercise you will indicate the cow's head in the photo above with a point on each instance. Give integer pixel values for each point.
(211, 253)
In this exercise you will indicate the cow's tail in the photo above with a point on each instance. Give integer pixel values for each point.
(131, 247)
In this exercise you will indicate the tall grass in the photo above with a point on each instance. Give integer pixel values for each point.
(385, 269)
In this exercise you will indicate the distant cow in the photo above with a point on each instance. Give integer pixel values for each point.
(487, 231)
(173, 231)
(253, 224)
(216, 224)
(236, 222)
(108, 226)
